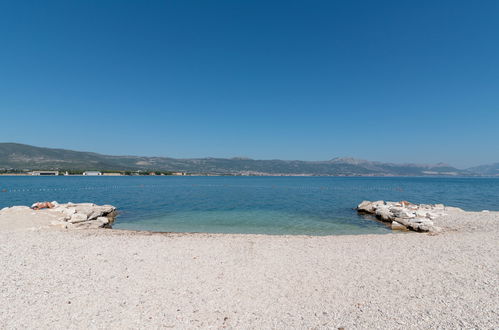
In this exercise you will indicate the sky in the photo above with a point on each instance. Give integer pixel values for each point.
(397, 81)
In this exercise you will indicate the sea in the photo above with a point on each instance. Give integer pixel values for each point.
(249, 205)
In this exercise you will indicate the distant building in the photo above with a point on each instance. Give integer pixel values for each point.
(92, 173)
(179, 173)
(112, 174)
(152, 173)
(45, 173)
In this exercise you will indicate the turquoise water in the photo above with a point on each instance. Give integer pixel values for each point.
(264, 205)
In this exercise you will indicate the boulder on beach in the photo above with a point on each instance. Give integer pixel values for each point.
(417, 217)
(53, 214)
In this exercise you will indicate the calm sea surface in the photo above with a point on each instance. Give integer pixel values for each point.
(267, 205)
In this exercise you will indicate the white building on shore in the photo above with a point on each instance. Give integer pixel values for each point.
(44, 173)
(179, 173)
(92, 173)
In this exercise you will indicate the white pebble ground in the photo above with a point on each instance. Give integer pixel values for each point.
(52, 279)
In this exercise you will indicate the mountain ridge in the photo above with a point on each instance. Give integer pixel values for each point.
(26, 157)
(488, 170)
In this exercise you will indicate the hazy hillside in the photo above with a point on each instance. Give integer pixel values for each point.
(20, 156)
(489, 170)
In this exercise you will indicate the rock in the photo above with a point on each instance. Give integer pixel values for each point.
(398, 226)
(420, 221)
(85, 210)
(78, 217)
(108, 208)
(99, 211)
(87, 215)
(408, 215)
(384, 214)
(94, 215)
(433, 215)
(104, 220)
(401, 212)
(69, 215)
(421, 213)
(416, 224)
(61, 224)
(92, 224)
(68, 210)
(366, 206)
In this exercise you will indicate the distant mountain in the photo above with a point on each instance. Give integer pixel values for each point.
(21, 156)
(489, 170)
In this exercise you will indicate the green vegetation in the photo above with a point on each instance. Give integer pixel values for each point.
(15, 156)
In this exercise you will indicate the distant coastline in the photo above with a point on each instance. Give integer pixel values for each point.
(263, 175)
(24, 159)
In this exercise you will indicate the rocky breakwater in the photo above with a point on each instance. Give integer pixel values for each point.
(84, 215)
(53, 214)
(406, 215)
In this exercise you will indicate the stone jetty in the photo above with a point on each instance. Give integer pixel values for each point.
(53, 214)
(406, 215)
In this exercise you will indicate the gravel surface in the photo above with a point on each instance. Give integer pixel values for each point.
(119, 279)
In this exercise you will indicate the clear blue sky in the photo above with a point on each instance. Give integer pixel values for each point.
(401, 81)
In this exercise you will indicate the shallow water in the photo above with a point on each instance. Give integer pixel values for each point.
(266, 205)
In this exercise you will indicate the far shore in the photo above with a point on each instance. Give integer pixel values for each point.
(263, 175)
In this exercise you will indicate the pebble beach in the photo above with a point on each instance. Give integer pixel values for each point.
(106, 278)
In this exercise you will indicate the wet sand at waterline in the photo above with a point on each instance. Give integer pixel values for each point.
(124, 279)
